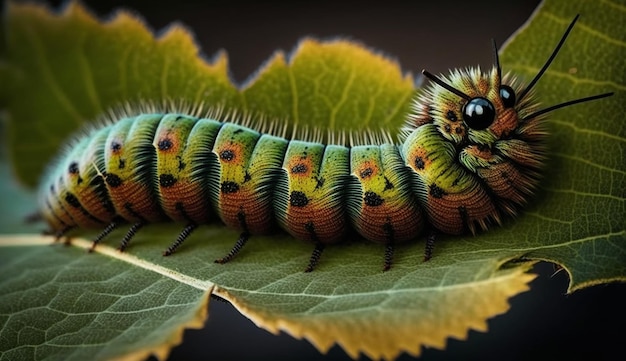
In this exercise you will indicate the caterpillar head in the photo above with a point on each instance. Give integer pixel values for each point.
(477, 145)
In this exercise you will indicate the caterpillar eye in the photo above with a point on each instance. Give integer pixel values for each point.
(479, 113)
(508, 96)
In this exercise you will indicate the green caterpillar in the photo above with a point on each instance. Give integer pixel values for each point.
(471, 153)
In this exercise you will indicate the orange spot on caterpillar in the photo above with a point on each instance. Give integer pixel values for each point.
(367, 169)
(419, 159)
(300, 166)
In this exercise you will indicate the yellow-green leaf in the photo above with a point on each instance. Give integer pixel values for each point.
(336, 85)
(68, 69)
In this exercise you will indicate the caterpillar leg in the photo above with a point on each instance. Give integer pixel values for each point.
(59, 234)
(388, 256)
(243, 238)
(129, 235)
(33, 218)
(430, 245)
(180, 239)
(105, 232)
(315, 257)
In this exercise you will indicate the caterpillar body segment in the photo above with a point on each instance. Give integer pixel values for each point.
(380, 202)
(452, 195)
(183, 160)
(247, 167)
(130, 169)
(312, 184)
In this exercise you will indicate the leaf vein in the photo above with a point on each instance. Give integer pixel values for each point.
(589, 163)
(615, 5)
(88, 77)
(294, 96)
(49, 78)
(123, 78)
(164, 75)
(586, 194)
(29, 240)
(437, 288)
(570, 77)
(589, 131)
(345, 94)
(549, 219)
(397, 108)
(588, 29)
(554, 245)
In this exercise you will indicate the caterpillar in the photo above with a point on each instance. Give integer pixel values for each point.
(470, 153)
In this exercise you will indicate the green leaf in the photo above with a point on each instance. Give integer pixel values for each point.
(578, 219)
(580, 222)
(67, 69)
(66, 304)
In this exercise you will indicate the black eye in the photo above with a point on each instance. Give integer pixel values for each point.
(508, 96)
(479, 113)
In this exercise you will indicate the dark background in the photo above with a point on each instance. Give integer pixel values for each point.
(436, 35)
